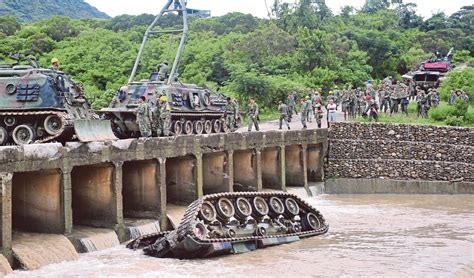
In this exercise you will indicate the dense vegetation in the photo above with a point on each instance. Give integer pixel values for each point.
(304, 46)
(34, 10)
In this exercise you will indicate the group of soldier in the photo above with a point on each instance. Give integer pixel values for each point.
(455, 95)
(154, 118)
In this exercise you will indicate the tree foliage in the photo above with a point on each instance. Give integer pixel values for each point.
(304, 46)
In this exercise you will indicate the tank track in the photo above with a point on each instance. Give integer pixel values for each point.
(67, 123)
(200, 235)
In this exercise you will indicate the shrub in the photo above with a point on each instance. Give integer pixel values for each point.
(454, 121)
(441, 112)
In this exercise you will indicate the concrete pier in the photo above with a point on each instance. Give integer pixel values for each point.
(79, 188)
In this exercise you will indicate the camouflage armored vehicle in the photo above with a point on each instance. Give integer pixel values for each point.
(39, 105)
(230, 223)
(432, 72)
(194, 110)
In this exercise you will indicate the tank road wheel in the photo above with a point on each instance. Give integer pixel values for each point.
(260, 207)
(188, 127)
(198, 127)
(207, 127)
(243, 208)
(177, 128)
(292, 207)
(276, 206)
(216, 126)
(225, 208)
(9, 121)
(200, 230)
(23, 134)
(3, 136)
(53, 124)
(311, 222)
(207, 212)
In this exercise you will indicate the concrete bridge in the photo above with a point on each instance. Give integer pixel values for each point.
(57, 189)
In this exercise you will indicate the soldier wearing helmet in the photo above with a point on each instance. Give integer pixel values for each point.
(162, 70)
(164, 122)
(55, 64)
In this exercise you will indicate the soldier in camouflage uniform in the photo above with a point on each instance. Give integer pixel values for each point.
(162, 71)
(252, 113)
(395, 99)
(318, 112)
(283, 109)
(306, 105)
(230, 115)
(291, 105)
(371, 109)
(165, 117)
(143, 117)
(345, 100)
(421, 102)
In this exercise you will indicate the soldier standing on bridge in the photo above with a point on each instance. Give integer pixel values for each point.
(291, 105)
(165, 117)
(143, 117)
(230, 115)
(252, 113)
(306, 105)
(318, 112)
(283, 109)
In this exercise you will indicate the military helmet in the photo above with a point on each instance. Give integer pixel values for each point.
(54, 60)
(163, 98)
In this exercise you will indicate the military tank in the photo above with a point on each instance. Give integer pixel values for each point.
(231, 223)
(39, 105)
(194, 110)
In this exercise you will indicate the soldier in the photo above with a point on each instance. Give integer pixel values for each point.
(345, 100)
(283, 109)
(165, 116)
(252, 113)
(162, 70)
(318, 112)
(143, 117)
(434, 98)
(452, 97)
(404, 101)
(360, 105)
(54, 64)
(371, 109)
(237, 113)
(395, 98)
(382, 94)
(230, 115)
(421, 104)
(306, 107)
(291, 105)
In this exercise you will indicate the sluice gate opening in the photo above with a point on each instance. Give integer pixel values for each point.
(315, 163)
(141, 197)
(272, 169)
(215, 173)
(245, 170)
(94, 207)
(38, 220)
(295, 161)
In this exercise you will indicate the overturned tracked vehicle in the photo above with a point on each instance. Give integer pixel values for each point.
(40, 105)
(230, 223)
(194, 110)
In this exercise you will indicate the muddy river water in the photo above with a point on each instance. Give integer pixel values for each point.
(370, 235)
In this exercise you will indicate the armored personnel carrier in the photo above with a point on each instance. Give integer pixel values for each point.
(230, 223)
(194, 110)
(39, 105)
(432, 72)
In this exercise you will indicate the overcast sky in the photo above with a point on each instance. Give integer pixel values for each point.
(256, 7)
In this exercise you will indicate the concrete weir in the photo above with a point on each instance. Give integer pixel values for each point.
(99, 194)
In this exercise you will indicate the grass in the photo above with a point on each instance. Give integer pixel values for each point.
(400, 118)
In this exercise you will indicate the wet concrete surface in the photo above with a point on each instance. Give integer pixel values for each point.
(369, 235)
